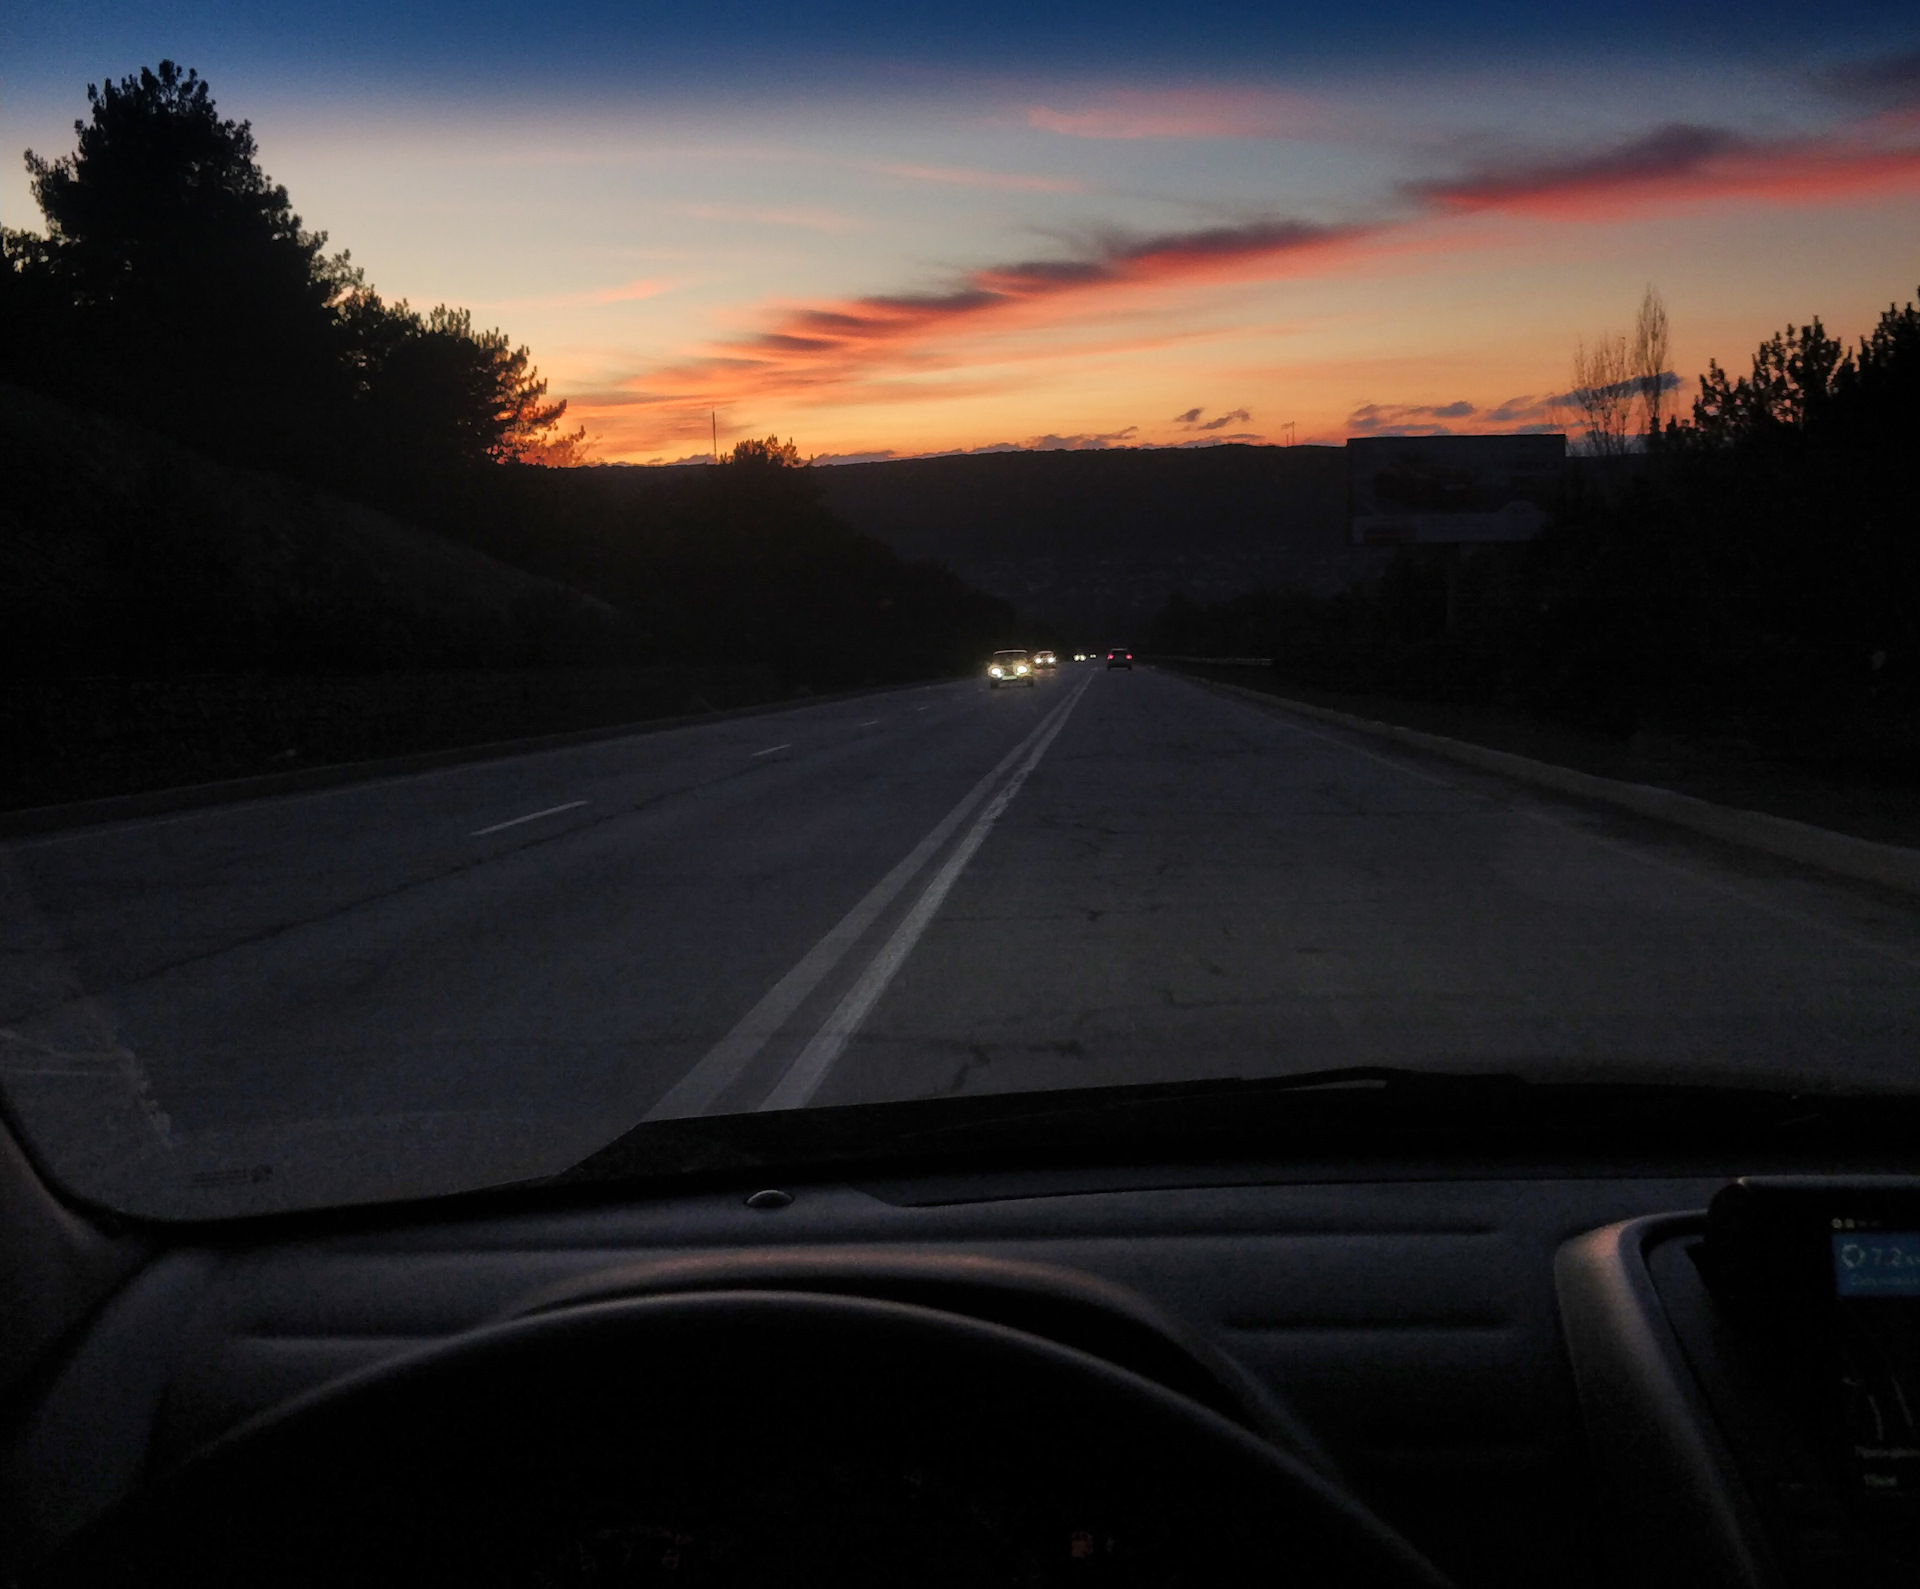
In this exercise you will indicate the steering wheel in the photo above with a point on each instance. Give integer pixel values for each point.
(744, 1437)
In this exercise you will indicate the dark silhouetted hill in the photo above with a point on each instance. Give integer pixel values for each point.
(735, 562)
(122, 552)
(1097, 541)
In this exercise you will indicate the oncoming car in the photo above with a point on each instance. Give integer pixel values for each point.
(1045, 659)
(1010, 667)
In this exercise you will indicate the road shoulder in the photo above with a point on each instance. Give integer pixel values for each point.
(31, 821)
(1887, 865)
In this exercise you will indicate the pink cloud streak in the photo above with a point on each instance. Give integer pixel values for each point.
(811, 350)
(1681, 163)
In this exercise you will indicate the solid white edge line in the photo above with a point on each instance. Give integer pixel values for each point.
(724, 1062)
(772, 748)
(809, 1070)
(531, 816)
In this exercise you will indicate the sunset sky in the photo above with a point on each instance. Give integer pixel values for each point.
(911, 229)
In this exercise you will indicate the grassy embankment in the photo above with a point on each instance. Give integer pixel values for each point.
(166, 620)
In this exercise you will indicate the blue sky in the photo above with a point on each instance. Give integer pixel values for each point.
(619, 43)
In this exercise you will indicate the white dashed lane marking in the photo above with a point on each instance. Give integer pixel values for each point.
(531, 816)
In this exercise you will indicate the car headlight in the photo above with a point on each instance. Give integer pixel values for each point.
(1021, 669)
(994, 671)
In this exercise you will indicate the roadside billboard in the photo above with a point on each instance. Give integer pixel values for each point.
(1446, 490)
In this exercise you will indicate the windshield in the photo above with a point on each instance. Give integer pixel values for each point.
(502, 525)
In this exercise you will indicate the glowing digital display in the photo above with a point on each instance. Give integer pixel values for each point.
(1877, 1263)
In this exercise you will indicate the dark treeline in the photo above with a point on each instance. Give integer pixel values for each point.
(176, 287)
(176, 291)
(1754, 573)
(742, 560)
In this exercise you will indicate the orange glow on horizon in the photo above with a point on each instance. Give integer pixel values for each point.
(979, 347)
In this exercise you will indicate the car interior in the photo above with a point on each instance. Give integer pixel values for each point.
(582, 1007)
(1367, 1327)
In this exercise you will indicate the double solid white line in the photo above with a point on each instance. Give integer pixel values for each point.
(695, 1092)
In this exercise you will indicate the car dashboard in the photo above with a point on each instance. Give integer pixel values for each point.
(1515, 1368)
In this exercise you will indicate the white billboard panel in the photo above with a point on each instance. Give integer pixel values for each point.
(1447, 490)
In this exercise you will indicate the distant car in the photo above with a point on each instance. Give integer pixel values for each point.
(1045, 659)
(1010, 667)
(1079, 656)
(1120, 657)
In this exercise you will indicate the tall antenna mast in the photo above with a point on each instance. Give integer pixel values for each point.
(715, 413)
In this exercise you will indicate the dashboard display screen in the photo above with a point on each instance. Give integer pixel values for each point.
(1876, 1263)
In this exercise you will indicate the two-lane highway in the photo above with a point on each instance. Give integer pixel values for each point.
(476, 974)
(480, 974)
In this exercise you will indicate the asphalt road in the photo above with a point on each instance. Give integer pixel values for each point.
(483, 973)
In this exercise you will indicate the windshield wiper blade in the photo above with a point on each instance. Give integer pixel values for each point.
(1396, 1081)
(1333, 1117)
(1173, 1112)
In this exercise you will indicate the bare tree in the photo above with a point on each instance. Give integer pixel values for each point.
(1604, 387)
(1650, 353)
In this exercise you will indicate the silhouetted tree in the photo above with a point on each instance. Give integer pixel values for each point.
(1795, 373)
(773, 453)
(1877, 398)
(177, 286)
(1603, 391)
(198, 295)
(441, 400)
(1651, 339)
(35, 321)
